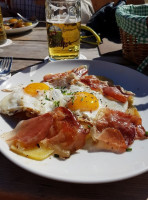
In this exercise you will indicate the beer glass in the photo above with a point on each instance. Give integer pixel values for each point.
(63, 22)
(3, 37)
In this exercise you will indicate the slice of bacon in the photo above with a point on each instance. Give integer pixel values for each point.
(130, 126)
(58, 129)
(93, 82)
(80, 71)
(66, 132)
(112, 92)
(31, 131)
(61, 79)
(109, 139)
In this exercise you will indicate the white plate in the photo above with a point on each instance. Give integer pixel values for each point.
(84, 167)
(21, 29)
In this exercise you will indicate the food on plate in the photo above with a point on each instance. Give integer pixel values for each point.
(15, 23)
(27, 23)
(58, 131)
(71, 111)
(6, 27)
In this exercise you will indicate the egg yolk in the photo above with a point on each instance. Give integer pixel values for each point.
(83, 101)
(33, 88)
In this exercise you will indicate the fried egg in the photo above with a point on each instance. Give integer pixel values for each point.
(40, 98)
(35, 98)
(86, 102)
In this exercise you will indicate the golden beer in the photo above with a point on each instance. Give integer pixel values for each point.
(3, 37)
(63, 40)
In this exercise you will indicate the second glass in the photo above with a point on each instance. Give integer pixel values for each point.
(63, 22)
(3, 37)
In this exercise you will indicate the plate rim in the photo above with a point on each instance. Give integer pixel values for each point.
(21, 29)
(80, 181)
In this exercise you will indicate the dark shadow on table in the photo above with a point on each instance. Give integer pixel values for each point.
(87, 46)
(16, 35)
(116, 57)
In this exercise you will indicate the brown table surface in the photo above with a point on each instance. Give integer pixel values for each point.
(15, 183)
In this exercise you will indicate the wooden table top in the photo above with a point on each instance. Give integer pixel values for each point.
(29, 49)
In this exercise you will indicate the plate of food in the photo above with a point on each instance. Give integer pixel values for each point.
(16, 25)
(77, 121)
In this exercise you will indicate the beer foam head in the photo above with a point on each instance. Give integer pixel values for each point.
(64, 19)
(55, 8)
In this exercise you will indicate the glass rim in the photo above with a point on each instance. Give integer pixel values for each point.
(63, 1)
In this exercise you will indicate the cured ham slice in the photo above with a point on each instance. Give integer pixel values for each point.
(112, 92)
(30, 132)
(114, 131)
(130, 126)
(80, 71)
(109, 139)
(63, 79)
(112, 140)
(93, 82)
(58, 129)
(66, 133)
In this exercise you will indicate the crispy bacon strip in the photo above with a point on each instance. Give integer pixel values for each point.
(93, 82)
(114, 93)
(57, 129)
(111, 92)
(130, 126)
(80, 71)
(109, 139)
(61, 79)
